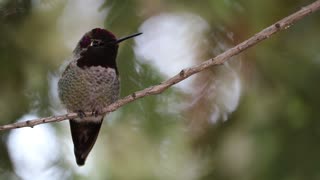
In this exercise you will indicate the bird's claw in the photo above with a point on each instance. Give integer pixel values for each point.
(95, 113)
(81, 114)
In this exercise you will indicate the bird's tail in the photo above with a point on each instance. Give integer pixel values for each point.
(84, 135)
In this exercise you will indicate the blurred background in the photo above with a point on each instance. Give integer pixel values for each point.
(255, 117)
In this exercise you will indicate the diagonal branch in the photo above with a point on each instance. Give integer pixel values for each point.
(266, 33)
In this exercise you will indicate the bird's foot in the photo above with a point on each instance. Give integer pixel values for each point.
(95, 113)
(81, 114)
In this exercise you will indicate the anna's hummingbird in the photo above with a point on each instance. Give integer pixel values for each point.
(89, 83)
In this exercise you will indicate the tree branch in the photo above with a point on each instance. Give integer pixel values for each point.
(266, 33)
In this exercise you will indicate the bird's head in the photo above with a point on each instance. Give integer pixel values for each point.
(98, 47)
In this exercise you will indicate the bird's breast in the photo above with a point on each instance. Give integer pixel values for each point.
(88, 89)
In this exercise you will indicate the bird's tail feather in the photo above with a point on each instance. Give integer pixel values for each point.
(84, 135)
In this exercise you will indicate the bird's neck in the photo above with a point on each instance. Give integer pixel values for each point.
(103, 57)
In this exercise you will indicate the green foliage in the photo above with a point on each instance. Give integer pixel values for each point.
(273, 133)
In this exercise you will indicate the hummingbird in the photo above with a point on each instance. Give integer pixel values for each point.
(89, 83)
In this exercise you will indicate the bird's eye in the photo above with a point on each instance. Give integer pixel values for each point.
(96, 43)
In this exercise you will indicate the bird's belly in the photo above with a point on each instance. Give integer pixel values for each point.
(89, 89)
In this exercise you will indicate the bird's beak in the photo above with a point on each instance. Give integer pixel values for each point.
(128, 37)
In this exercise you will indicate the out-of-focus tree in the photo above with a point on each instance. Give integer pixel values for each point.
(253, 118)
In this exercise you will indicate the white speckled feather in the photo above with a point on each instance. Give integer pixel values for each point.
(88, 89)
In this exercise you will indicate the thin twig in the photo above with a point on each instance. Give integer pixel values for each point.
(266, 33)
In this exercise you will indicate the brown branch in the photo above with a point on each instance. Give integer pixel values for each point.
(285, 23)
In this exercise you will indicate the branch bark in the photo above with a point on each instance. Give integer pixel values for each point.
(266, 33)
